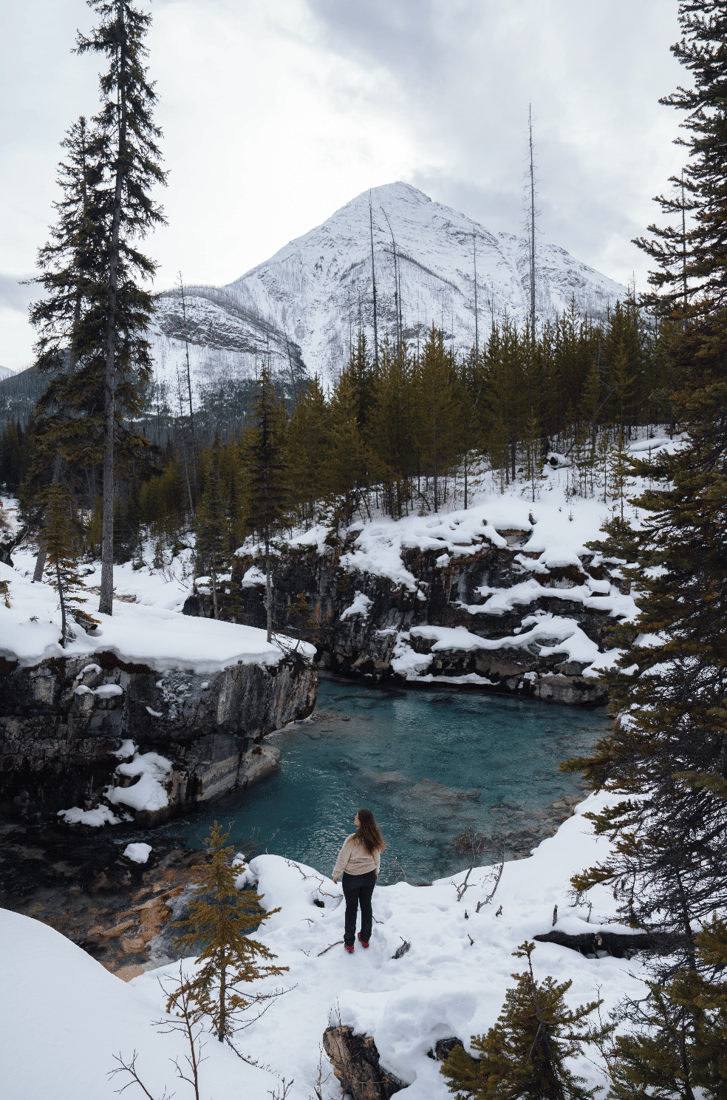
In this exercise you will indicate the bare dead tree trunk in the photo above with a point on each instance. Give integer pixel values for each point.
(477, 322)
(373, 286)
(193, 441)
(397, 316)
(532, 223)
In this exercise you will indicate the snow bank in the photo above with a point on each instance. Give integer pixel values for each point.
(63, 1018)
(97, 818)
(453, 979)
(147, 633)
(360, 606)
(553, 633)
(151, 771)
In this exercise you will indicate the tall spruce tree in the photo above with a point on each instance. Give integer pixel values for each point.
(307, 446)
(668, 749)
(268, 490)
(67, 425)
(438, 433)
(61, 558)
(347, 462)
(130, 164)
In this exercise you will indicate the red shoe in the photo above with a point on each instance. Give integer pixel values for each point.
(361, 941)
(350, 949)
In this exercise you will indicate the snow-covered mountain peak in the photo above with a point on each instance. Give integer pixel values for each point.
(319, 286)
(432, 265)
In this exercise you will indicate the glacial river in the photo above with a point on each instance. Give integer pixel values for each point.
(428, 763)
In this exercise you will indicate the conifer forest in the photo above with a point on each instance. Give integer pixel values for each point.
(402, 434)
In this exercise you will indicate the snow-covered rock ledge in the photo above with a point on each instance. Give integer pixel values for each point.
(112, 739)
(152, 713)
(505, 597)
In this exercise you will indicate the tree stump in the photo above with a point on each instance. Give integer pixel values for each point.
(355, 1061)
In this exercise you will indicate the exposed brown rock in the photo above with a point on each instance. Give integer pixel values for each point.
(112, 908)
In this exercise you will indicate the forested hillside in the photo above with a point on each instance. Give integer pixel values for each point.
(399, 436)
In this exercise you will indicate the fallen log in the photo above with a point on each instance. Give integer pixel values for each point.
(621, 945)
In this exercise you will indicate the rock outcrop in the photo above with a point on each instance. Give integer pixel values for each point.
(63, 724)
(365, 624)
(85, 887)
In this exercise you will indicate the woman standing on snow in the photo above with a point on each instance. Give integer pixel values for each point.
(358, 862)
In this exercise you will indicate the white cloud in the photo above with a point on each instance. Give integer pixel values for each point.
(274, 115)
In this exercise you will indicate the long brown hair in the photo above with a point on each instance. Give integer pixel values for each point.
(368, 832)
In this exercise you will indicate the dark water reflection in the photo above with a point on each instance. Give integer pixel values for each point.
(428, 763)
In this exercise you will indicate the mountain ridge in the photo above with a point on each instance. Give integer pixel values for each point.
(301, 308)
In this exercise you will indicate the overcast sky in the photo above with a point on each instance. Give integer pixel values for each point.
(277, 112)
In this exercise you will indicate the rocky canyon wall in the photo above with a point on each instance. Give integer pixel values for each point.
(101, 734)
(494, 616)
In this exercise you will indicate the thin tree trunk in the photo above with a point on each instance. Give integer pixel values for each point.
(477, 320)
(189, 394)
(106, 599)
(223, 993)
(39, 562)
(532, 224)
(373, 285)
(268, 591)
(213, 578)
(63, 607)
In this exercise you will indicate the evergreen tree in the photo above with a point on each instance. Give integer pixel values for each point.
(472, 384)
(61, 560)
(502, 427)
(268, 490)
(360, 370)
(624, 366)
(11, 460)
(67, 427)
(346, 466)
(212, 527)
(389, 431)
(524, 1056)
(690, 278)
(130, 163)
(679, 1044)
(220, 920)
(71, 262)
(668, 750)
(654, 1058)
(307, 447)
(437, 410)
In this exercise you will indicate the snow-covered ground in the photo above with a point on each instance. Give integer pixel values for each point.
(147, 625)
(549, 533)
(63, 1017)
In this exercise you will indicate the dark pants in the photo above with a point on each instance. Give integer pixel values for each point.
(357, 890)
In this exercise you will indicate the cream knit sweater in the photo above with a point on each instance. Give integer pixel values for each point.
(355, 860)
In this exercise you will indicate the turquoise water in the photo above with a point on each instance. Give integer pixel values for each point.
(428, 763)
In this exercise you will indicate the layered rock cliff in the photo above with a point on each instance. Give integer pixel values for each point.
(67, 725)
(488, 612)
